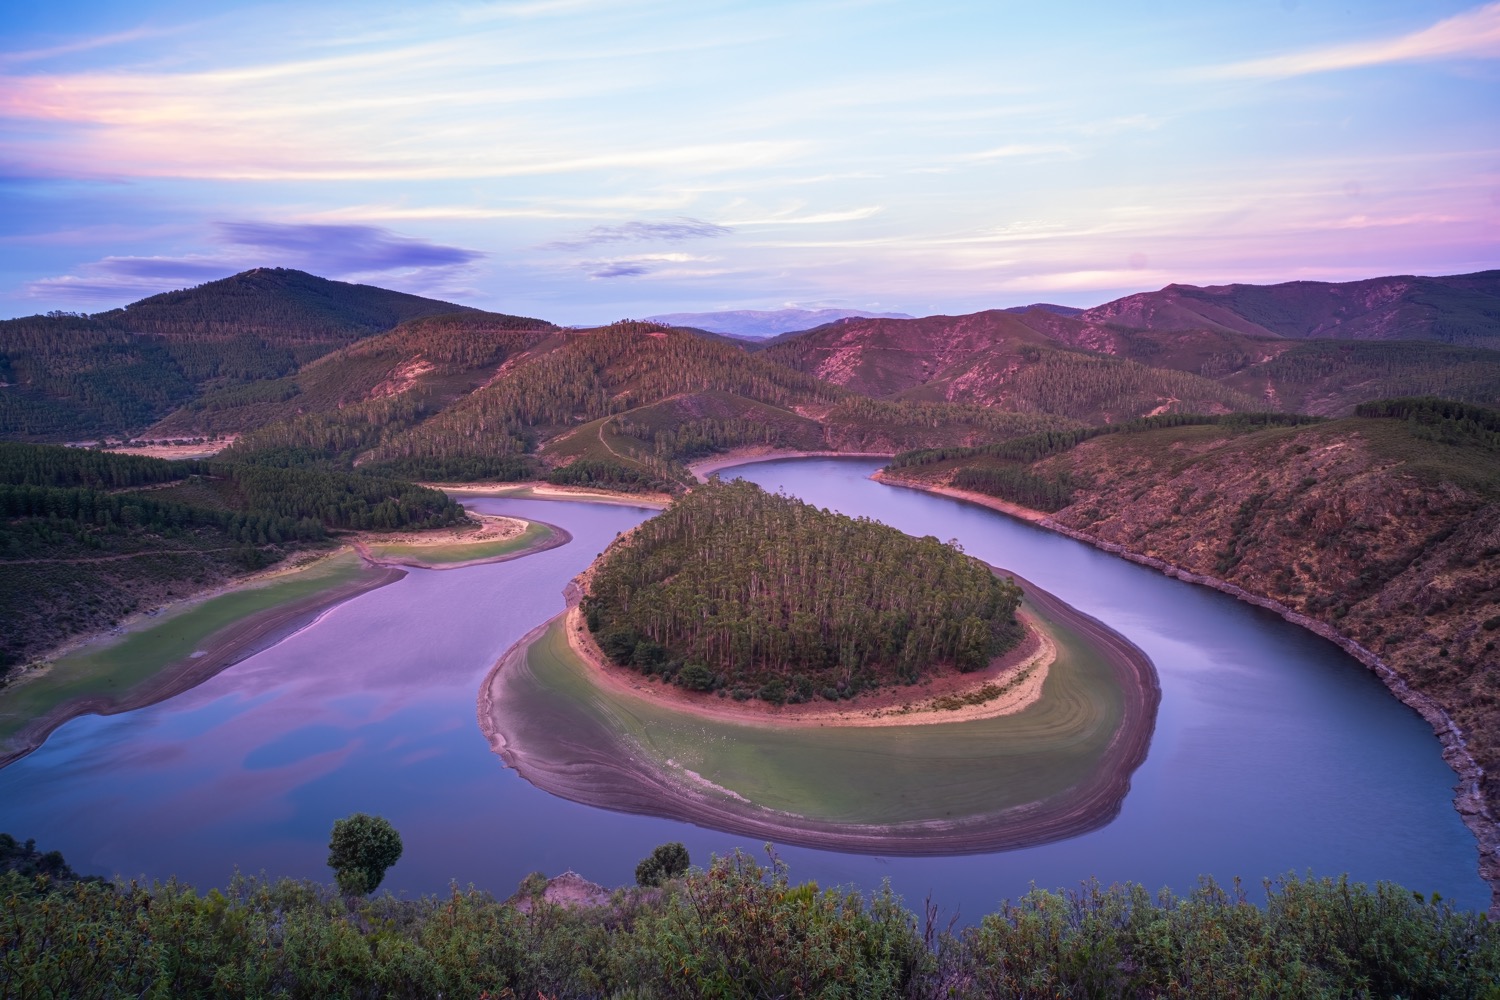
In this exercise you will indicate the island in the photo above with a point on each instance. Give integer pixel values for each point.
(751, 663)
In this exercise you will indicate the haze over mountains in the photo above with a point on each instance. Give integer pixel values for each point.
(1183, 425)
(273, 346)
(757, 323)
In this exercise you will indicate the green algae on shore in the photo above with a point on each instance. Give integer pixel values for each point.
(1054, 769)
(157, 656)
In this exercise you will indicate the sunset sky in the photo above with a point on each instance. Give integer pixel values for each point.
(587, 160)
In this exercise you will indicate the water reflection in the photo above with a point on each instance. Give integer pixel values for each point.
(1273, 751)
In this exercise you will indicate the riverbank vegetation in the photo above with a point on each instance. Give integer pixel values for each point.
(87, 537)
(737, 589)
(737, 929)
(1383, 527)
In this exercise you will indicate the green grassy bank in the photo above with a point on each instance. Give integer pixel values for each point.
(116, 671)
(535, 535)
(842, 774)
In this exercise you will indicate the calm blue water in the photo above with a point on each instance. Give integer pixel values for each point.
(1273, 752)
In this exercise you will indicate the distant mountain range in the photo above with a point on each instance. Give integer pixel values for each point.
(1382, 524)
(756, 323)
(1457, 309)
(1310, 347)
(272, 345)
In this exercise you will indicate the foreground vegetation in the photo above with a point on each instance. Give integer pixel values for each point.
(737, 929)
(737, 588)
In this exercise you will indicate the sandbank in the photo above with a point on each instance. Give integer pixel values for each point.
(609, 768)
(703, 468)
(968, 496)
(157, 655)
(1010, 683)
(495, 538)
(547, 491)
(172, 452)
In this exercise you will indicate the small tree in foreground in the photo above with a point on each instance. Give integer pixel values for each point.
(360, 851)
(666, 862)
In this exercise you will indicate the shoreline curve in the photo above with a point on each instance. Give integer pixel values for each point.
(556, 537)
(631, 782)
(1468, 801)
(229, 645)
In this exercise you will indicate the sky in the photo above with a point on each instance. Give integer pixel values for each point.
(589, 160)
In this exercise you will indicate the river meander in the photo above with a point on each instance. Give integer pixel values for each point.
(1273, 751)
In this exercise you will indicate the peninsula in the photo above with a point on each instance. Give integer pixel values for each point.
(755, 664)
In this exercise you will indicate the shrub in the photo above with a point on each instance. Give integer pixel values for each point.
(666, 862)
(360, 851)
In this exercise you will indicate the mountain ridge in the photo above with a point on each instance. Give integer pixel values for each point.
(757, 324)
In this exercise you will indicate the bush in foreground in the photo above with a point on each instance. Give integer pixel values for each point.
(737, 929)
(666, 862)
(361, 850)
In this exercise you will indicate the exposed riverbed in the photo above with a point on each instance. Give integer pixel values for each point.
(1273, 750)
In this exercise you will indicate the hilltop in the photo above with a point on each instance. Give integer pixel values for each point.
(761, 595)
(999, 359)
(758, 323)
(1311, 347)
(1461, 309)
(309, 370)
(116, 372)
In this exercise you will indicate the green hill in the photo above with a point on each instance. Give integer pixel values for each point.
(739, 589)
(64, 376)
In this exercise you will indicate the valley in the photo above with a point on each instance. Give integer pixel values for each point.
(1325, 450)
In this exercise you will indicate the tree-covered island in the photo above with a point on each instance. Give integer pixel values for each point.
(753, 594)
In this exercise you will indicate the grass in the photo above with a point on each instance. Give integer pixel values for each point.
(857, 775)
(112, 669)
(458, 552)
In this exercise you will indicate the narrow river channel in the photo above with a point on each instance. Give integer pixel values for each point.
(1273, 752)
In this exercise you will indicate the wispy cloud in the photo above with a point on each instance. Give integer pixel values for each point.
(1474, 34)
(1012, 150)
(345, 252)
(87, 44)
(639, 231)
(635, 265)
(343, 249)
(791, 218)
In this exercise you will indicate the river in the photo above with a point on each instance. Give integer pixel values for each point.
(1274, 752)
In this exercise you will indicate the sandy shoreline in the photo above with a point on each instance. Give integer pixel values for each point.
(226, 647)
(1017, 678)
(968, 496)
(1468, 800)
(493, 528)
(537, 490)
(626, 779)
(704, 468)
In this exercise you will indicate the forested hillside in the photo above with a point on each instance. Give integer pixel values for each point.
(278, 305)
(116, 372)
(737, 589)
(1384, 526)
(439, 358)
(591, 375)
(87, 537)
